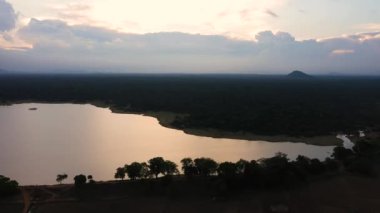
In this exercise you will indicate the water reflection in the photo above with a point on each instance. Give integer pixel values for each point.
(36, 145)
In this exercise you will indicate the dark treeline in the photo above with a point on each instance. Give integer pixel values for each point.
(276, 171)
(260, 105)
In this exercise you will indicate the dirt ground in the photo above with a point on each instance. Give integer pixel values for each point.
(347, 193)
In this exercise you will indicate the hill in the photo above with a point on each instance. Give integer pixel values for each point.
(298, 74)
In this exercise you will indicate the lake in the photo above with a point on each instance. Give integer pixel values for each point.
(38, 144)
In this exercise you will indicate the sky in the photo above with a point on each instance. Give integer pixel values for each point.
(198, 36)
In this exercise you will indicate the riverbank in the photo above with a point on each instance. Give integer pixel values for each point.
(166, 119)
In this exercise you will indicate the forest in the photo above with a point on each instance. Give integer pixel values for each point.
(263, 105)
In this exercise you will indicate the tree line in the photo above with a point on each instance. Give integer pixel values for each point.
(276, 170)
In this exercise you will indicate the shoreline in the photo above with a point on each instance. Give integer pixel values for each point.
(165, 119)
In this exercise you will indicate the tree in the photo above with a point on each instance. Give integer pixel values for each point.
(145, 172)
(276, 170)
(80, 180)
(331, 164)
(134, 170)
(241, 166)
(157, 166)
(252, 169)
(188, 167)
(7, 186)
(170, 168)
(90, 179)
(120, 173)
(341, 153)
(206, 166)
(61, 177)
(186, 163)
(316, 167)
(227, 169)
(277, 163)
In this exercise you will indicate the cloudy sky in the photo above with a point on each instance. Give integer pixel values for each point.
(201, 36)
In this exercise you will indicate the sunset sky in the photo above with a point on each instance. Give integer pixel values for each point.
(200, 36)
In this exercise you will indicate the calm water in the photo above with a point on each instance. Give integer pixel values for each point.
(36, 145)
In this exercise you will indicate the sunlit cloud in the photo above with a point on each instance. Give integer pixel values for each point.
(369, 27)
(342, 52)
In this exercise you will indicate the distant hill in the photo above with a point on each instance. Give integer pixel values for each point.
(298, 74)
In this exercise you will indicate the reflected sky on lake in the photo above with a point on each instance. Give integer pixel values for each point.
(36, 145)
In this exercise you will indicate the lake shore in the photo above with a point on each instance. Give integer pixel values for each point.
(166, 119)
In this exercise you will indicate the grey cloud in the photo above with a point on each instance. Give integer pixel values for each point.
(58, 46)
(8, 16)
(271, 13)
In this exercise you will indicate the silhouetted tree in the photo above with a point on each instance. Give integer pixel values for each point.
(331, 164)
(342, 154)
(157, 166)
(316, 166)
(145, 172)
(90, 179)
(227, 169)
(186, 162)
(120, 173)
(7, 186)
(206, 166)
(241, 166)
(303, 161)
(80, 180)
(170, 168)
(61, 177)
(275, 169)
(253, 169)
(134, 170)
(188, 167)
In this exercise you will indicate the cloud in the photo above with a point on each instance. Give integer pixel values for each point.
(271, 13)
(369, 27)
(57, 45)
(75, 13)
(8, 16)
(342, 52)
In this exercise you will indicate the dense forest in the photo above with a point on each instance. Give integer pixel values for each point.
(264, 105)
